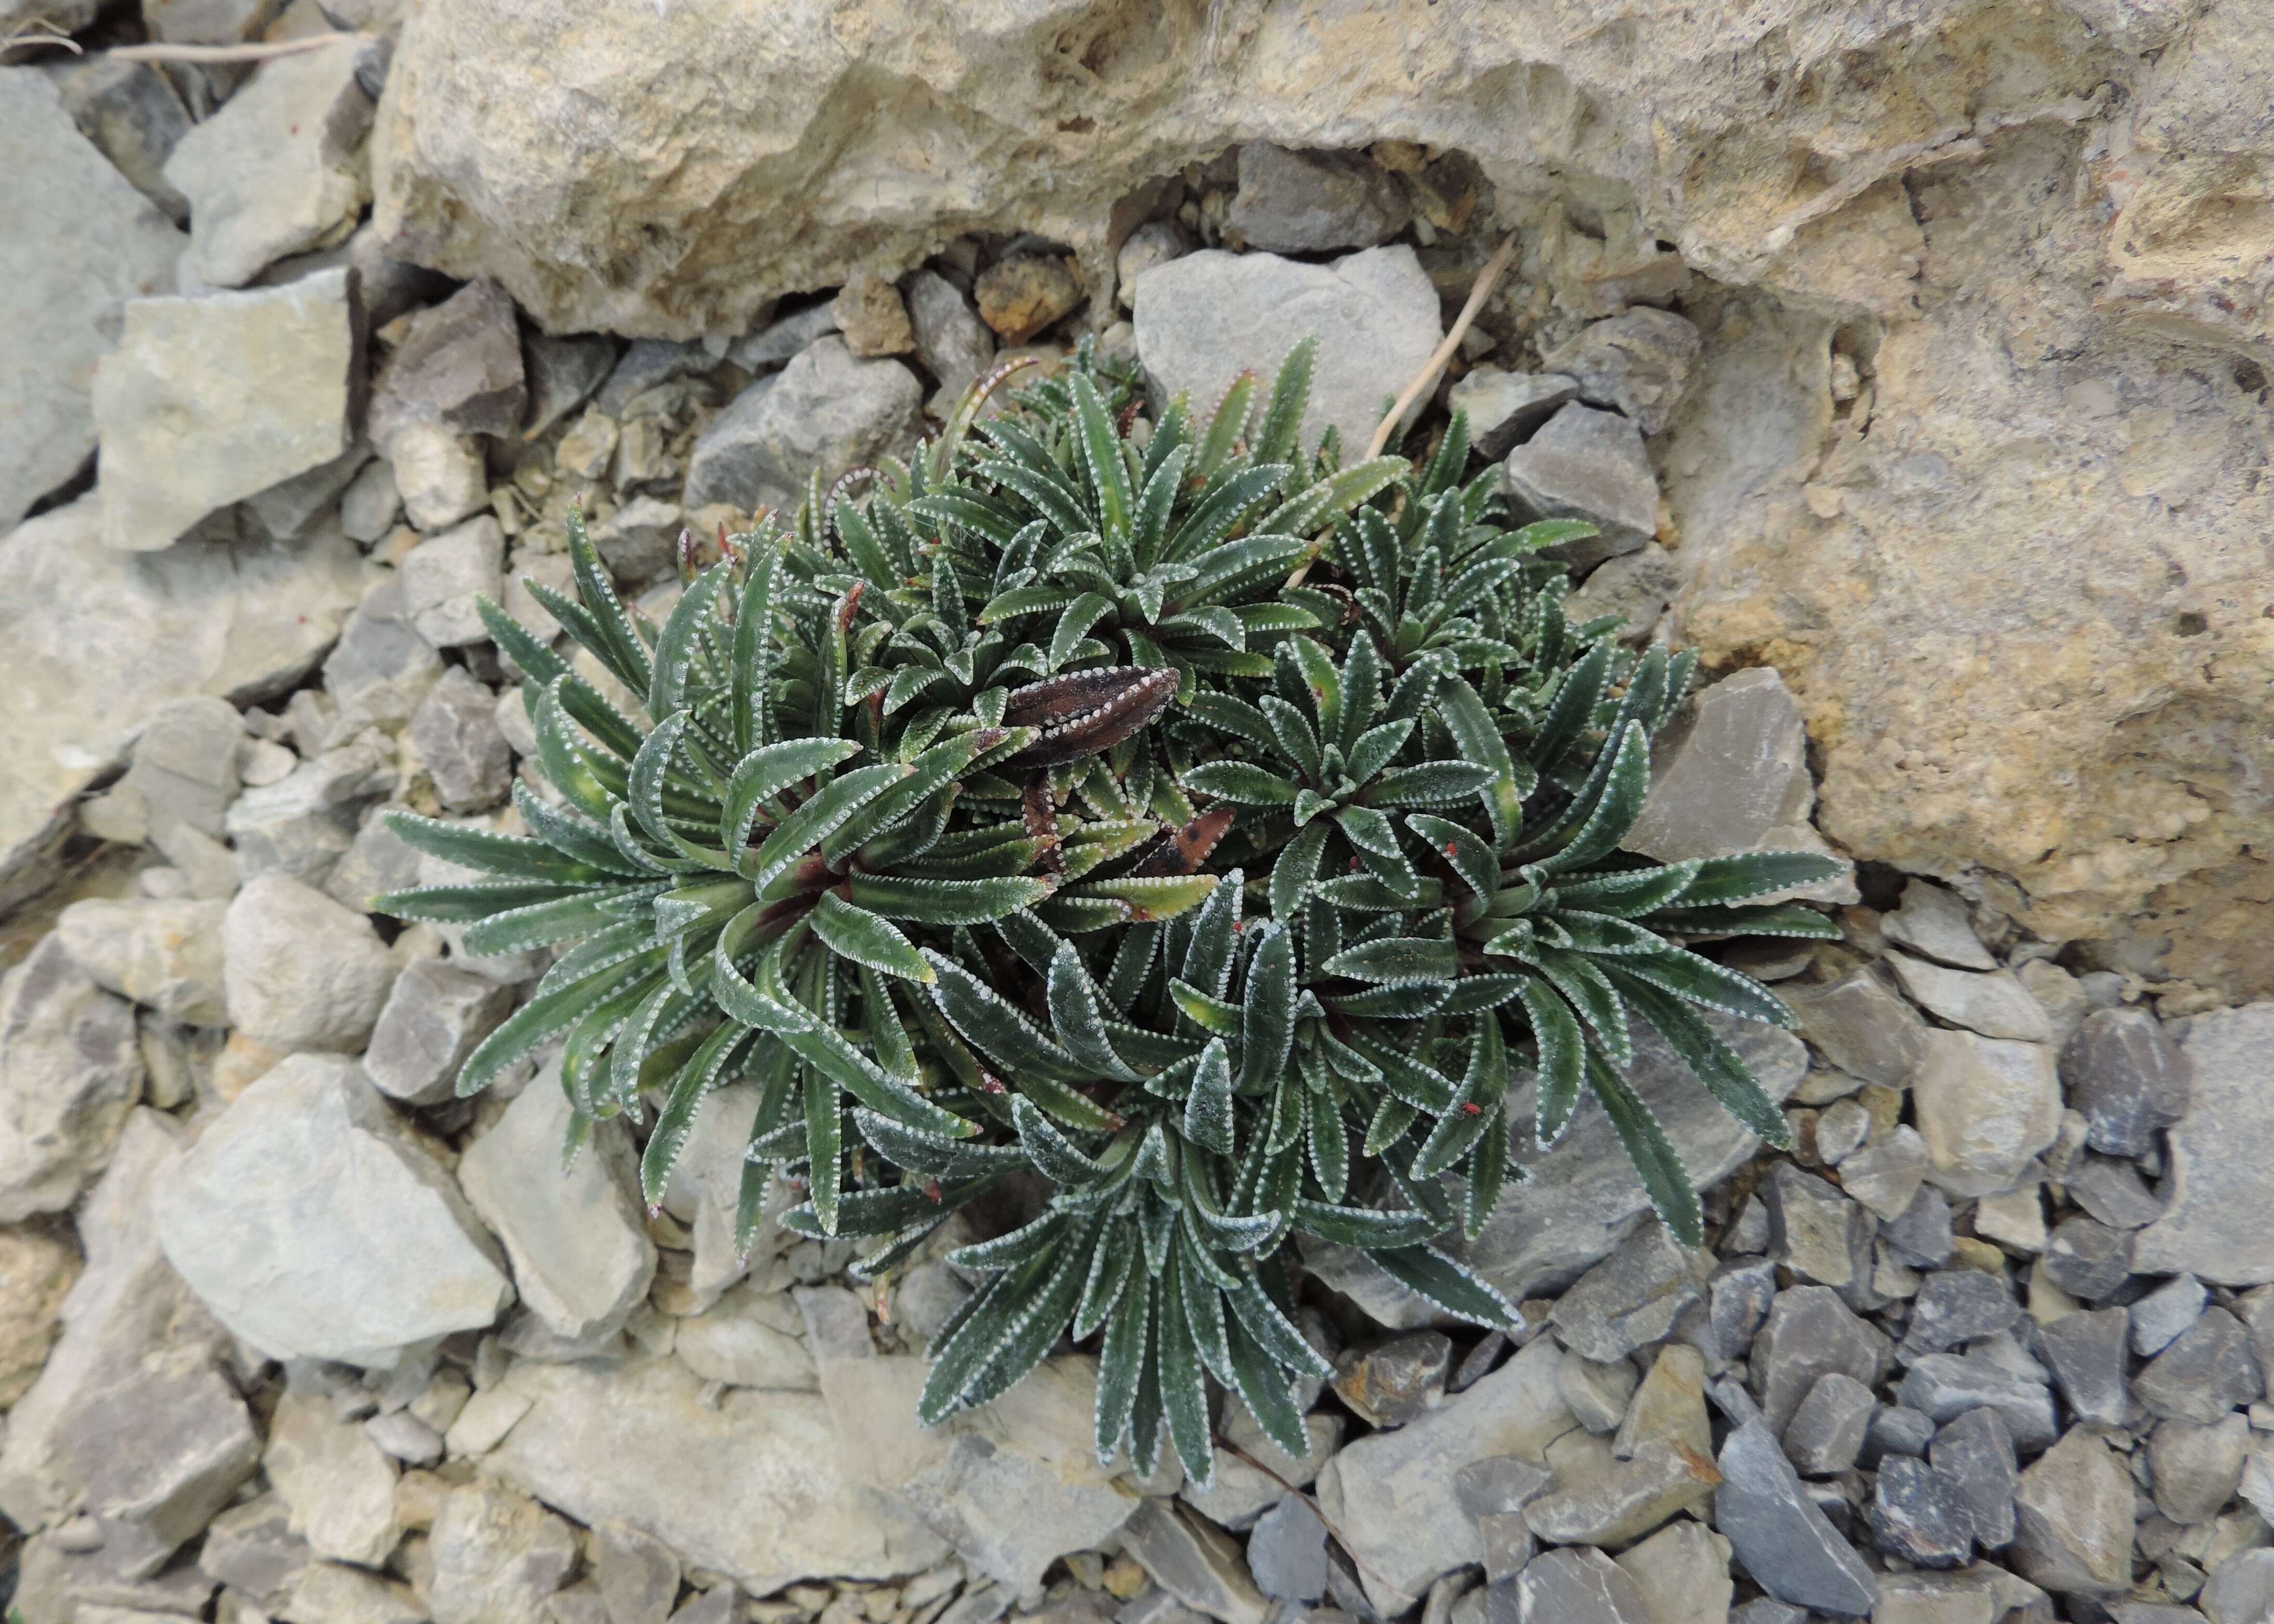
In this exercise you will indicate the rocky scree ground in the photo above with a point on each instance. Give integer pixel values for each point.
(289, 1333)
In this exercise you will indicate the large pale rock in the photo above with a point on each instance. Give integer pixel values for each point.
(310, 1220)
(581, 1260)
(131, 1421)
(757, 1488)
(77, 242)
(1203, 318)
(303, 971)
(70, 1071)
(2024, 237)
(2220, 1222)
(276, 171)
(209, 401)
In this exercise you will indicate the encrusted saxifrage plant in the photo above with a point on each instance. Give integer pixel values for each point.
(1027, 817)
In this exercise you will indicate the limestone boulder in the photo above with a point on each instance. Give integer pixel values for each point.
(2012, 320)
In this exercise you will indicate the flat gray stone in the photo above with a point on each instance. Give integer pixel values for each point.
(1738, 1297)
(749, 1338)
(1629, 1300)
(2127, 1077)
(70, 1071)
(441, 579)
(1309, 202)
(274, 172)
(1586, 465)
(1860, 1024)
(952, 343)
(1936, 924)
(2087, 1258)
(497, 1555)
(1287, 1551)
(77, 242)
(2220, 1223)
(1996, 1005)
(131, 1422)
(637, 1574)
(1506, 407)
(1957, 1306)
(1776, 1530)
(768, 347)
(434, 1015)
(1975, 1455)
(560, 372)
(1730, 775)
(1204, 318)
(313, 1225)
(131, 112)
(251, 1547)
(1825, 1435)
(166, 955)
(1390, 1384)
(1584, 1197)
(2158, 1317)
(1818, 1234)
(1985, 1106)
(382, 667)
(2207, 1371)
(303, 824)
(1921, 1235)
(1638, 363)
(302, 971)
(2085, 1352)
(640, 540)
(827, 411)
(456, 733)
(336, 1484)
(2194, 1469)
(1636, 587)
(1396, 1494)
(1578, 1587)
(1945, 1385)
(2113, 1193)
(2075, 1520)
(756, 1489)
(581, 1260)
(1622, 1501)
(209, 401)
(1915, 1515)
(1809, 1333)
(1193, 1562)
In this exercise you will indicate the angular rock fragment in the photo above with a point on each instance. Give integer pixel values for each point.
(1786, 1545)
(209, 401)
(2220, 1223)
(309, 1221)
(1637, 364)
(81, 242)
(70, 1071)
(1309, 202)
(1204, 318)
(2075, 1520)
(274, 172)
(459, 366)
(1586, 465)
(2127, 1077)
(581, 1259)
(827, 411)
(1505, 408)
(434, 1015)
(2085, 1352)
(1985, 1106)
(302, 972)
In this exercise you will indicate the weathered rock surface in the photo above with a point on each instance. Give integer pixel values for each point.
(580, 1257)
(70, 1073)
(37, 1268)
(82, 241)
(434, 1015)
(208, 401)
(2220, 1224)
(497, 1555)
(754, 1489)
(334, 1482)
(1203, 318)
(313, 1224)
(1591, 465)
(165, 954)
(100, 640)
(1309, 202)
(2005, 744)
